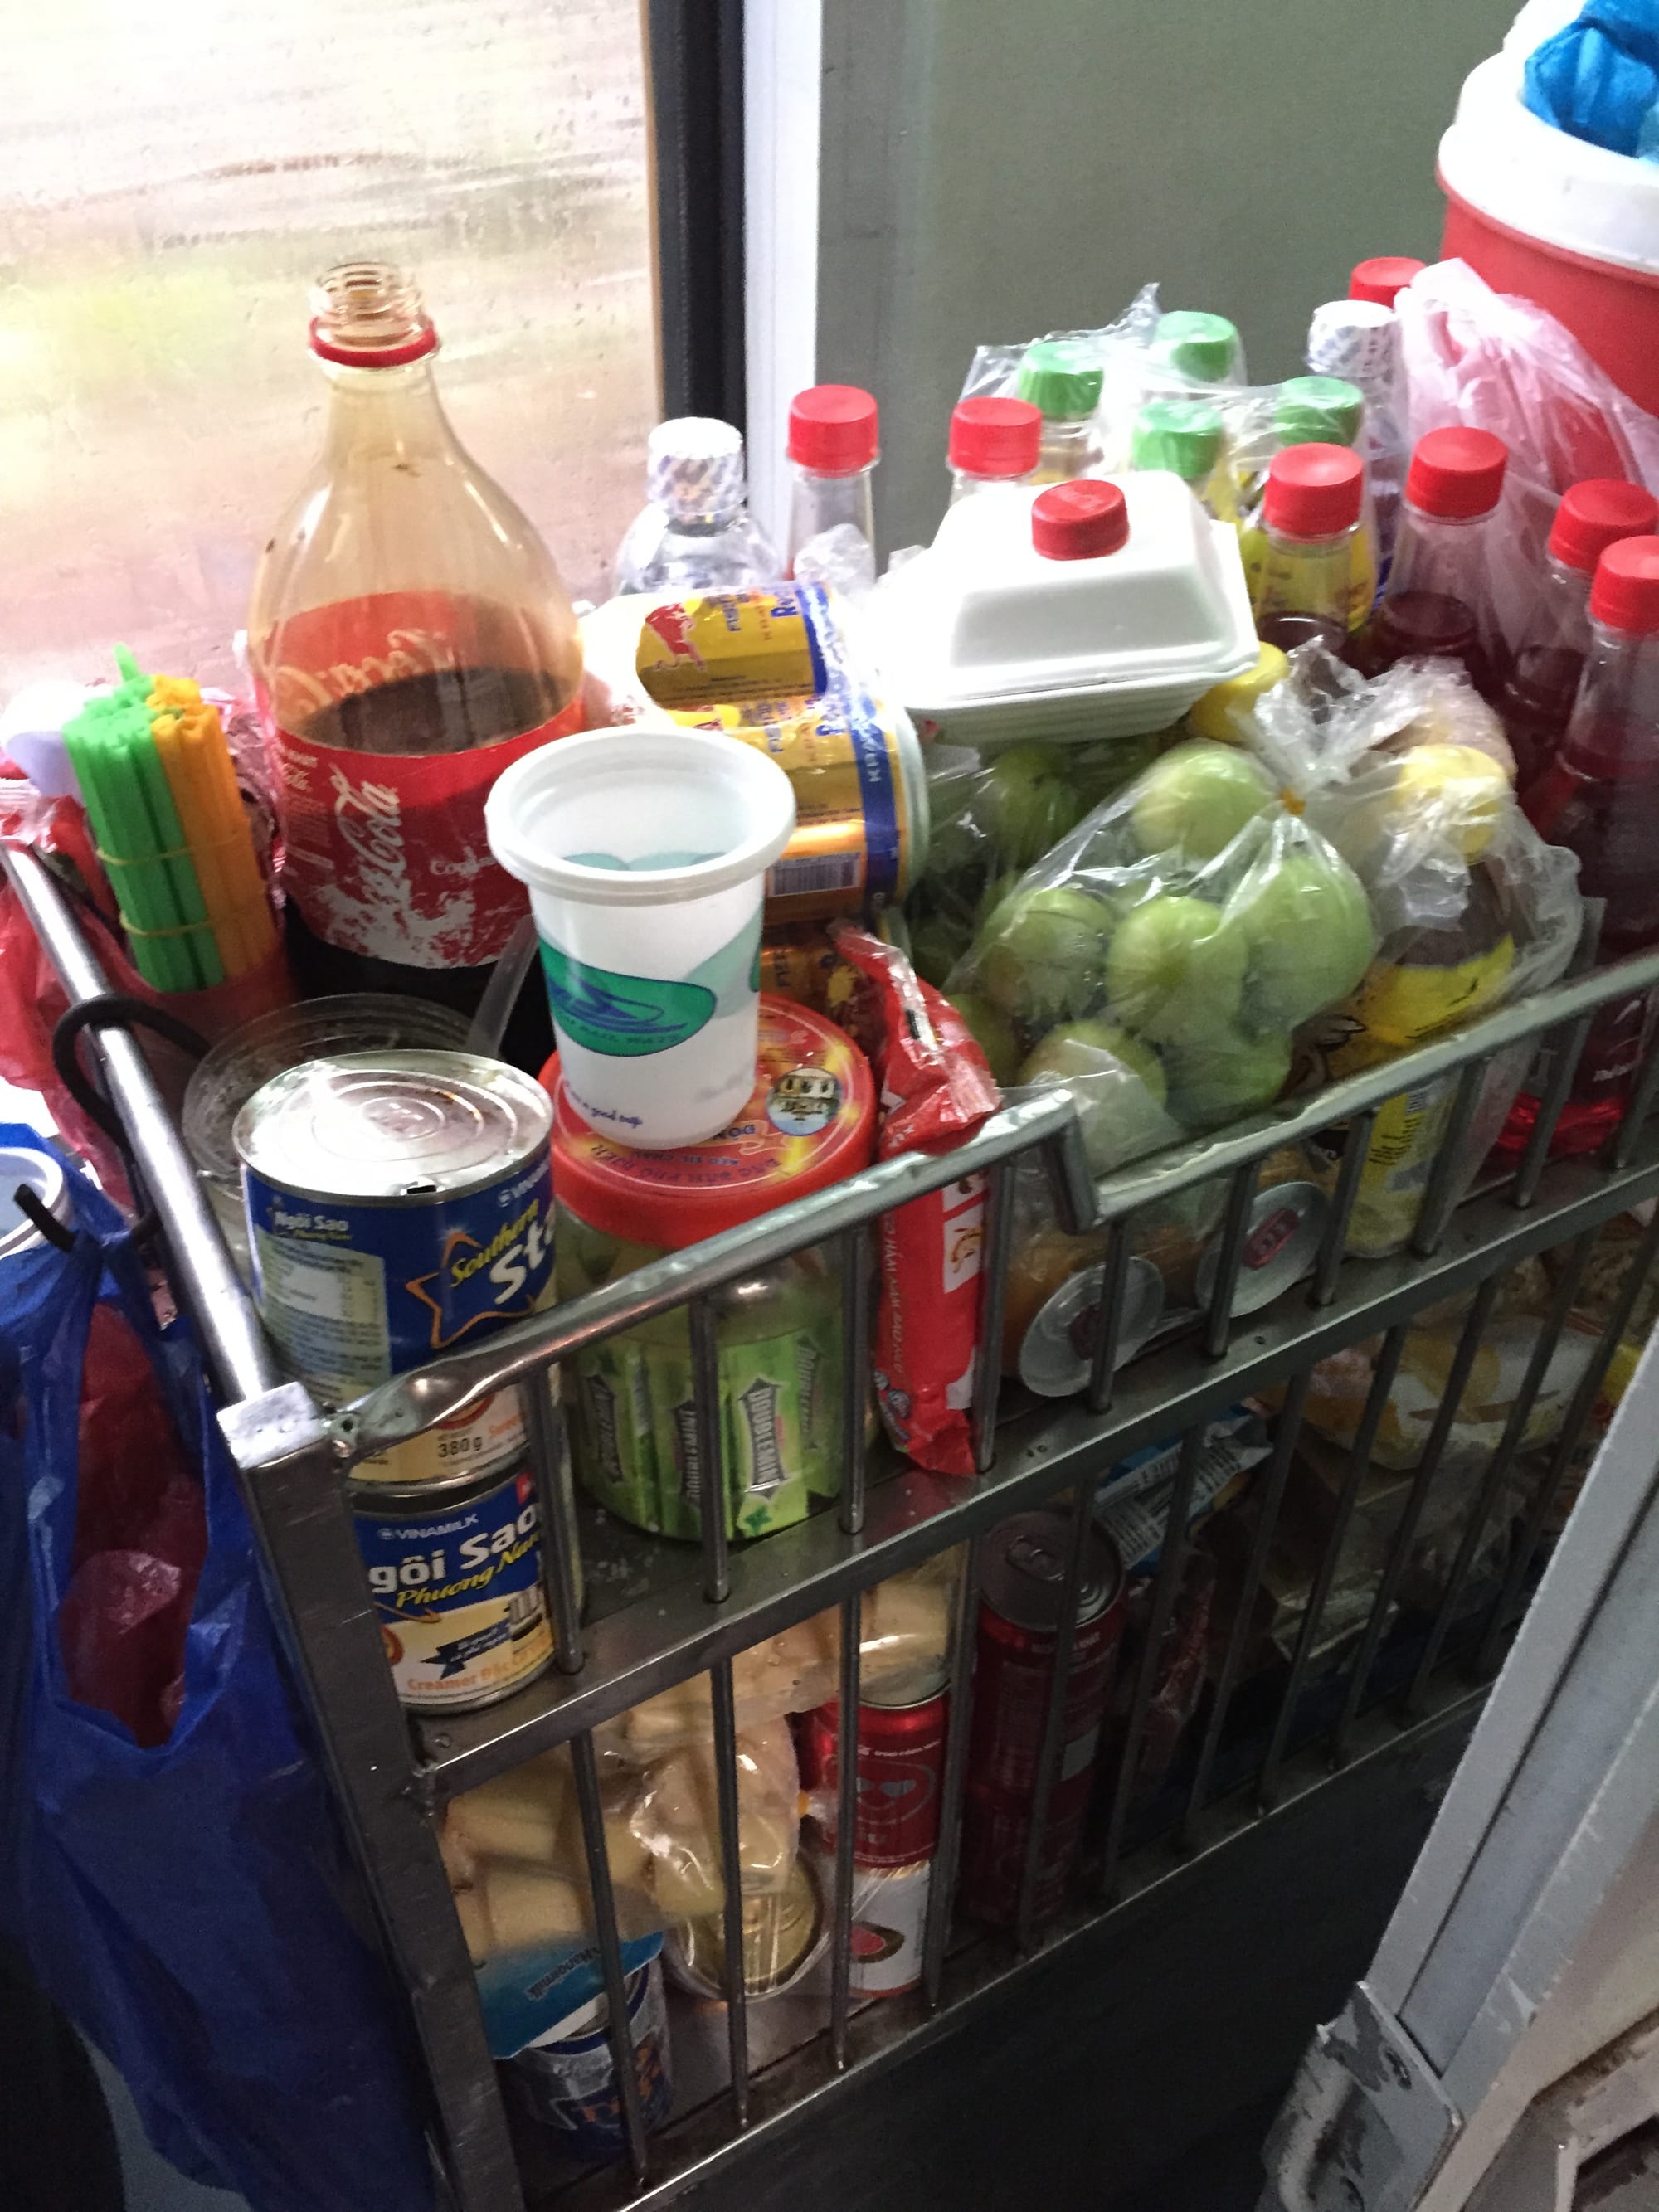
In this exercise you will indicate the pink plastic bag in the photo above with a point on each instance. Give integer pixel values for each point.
(1492, 361)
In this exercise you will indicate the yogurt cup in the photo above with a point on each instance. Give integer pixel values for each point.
(645, 852)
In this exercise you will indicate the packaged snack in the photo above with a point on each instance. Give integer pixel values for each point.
(936, 1089)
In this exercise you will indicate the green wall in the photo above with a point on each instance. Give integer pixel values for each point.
(991, 171)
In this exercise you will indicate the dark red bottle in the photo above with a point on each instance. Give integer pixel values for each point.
(1542, 680)
(1600, 798)
(1436, 603)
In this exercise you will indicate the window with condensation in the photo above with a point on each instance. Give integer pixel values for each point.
(172, 179)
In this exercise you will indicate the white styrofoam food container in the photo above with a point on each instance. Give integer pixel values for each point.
(985, 640)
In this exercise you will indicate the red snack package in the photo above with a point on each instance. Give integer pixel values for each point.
(936, 1089)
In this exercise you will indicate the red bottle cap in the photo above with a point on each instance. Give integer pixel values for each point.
(1625, 593)
(1313, 491)
(1457, 473)
(1081, 520)
(833, 429)
(1597, 514)
(995, 437)
(1384, 279)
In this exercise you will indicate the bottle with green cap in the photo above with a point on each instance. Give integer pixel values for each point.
(1062, 379)
(1189, 438)
(1321, 411)
(1199, 349)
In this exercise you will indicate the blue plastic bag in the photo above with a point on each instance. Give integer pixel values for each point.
(191, 1906)
(1599, 78)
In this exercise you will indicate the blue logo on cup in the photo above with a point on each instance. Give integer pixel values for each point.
(625, 1016)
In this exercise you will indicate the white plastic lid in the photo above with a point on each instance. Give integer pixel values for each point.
(981, 616)
(1509, 164)
(632, 794)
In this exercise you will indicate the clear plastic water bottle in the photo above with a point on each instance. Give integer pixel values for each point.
(697, 533)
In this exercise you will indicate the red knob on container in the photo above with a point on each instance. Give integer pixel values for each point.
(995, 437)
(1313, 491)
(1081, 520)
(1597, 514)
(1456, 474)
(1383, 279)
(833, 429)
(1625, 593)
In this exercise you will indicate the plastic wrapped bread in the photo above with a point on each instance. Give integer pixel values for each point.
(676, 1820)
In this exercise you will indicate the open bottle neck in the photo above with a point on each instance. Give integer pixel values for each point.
(387, 415)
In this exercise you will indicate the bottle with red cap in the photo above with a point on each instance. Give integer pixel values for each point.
(1599, 796)
(1384, 279)
(1310, 515)
(992, 442)
(833, 446)
(1079, 521)
(1542, 680)
(1359, 339)
(410, 637)
(1437, 604)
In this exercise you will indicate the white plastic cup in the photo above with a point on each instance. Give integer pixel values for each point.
(646, 853)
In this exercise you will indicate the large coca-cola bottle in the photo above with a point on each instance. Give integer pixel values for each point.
(410, 636)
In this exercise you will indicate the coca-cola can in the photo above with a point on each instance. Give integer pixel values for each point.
(900, 1759)
(1022, 1589)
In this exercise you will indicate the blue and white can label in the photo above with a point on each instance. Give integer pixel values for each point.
(458, 1591)
(398, 1206)
(567, 2079)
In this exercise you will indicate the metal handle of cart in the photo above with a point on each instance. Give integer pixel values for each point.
(392, 1775)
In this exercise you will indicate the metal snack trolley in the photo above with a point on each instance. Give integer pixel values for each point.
(682, 1612)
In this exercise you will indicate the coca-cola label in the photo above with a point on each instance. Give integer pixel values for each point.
(384, 851)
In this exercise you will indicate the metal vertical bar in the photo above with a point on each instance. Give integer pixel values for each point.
(1417, 1497)
(706, 1427)
(618, 2027)
(1566, 1057)
(1572, 1429)
(853, 1257)
(988, 1360)
(1165, 1587)
(846, 1814)
(942, 1888)
(1640, 1106)
(1054, 1718)
(1440, 1196)
(203, 1276)
(1356, 1149)
(1360, 1460)
(297, 1504)
(725, 1797)
(1240, 1195)
(1498, 1467)
(1114, 1290)
(549, 1464)
(1288, 1430)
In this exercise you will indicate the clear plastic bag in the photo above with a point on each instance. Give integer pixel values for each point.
(1493, 361)
(675, 1820)
(904, 1646)
(1159, 961)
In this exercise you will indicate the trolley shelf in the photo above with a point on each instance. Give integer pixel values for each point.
(668, 1631)
(659, 1613)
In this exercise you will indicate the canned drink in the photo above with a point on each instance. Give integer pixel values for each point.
(890, 1925)
(784, 1934)
(567, 2079)
(1021, 1589)
(901, 1765)
(456, 1576)
(1057, 1354)
(399, 1204)
(770, 667)
(1280, 1246)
